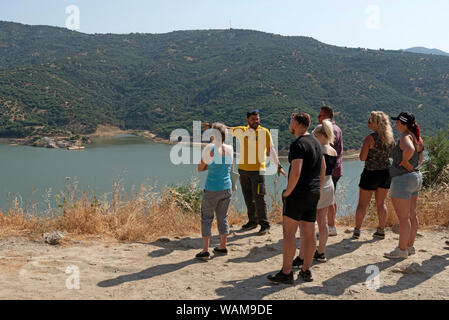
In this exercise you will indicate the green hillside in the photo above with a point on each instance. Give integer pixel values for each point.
(56, 79)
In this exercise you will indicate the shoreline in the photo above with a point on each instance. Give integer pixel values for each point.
(349, 155)
(111, 131)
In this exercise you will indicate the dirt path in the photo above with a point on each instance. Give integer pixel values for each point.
(165, 269)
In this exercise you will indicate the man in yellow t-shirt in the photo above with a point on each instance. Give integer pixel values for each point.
(255, 144)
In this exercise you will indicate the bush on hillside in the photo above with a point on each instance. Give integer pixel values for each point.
(436, 167)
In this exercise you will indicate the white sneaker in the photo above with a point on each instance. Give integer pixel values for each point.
(332, 231)
(411, 250)
(396, 254)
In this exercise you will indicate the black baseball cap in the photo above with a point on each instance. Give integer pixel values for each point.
(405, 117)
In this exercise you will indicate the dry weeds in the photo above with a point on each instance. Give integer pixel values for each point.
(147, 215)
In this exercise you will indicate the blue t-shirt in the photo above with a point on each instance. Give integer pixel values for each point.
(219, 172)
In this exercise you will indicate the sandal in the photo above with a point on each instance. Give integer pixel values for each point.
(379, 234)
(203, 255)
(221, 251)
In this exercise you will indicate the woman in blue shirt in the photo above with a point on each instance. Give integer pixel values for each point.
(217, 159)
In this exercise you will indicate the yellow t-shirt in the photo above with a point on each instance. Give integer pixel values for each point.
(253, 150)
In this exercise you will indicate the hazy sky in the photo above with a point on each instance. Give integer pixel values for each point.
(388, 24)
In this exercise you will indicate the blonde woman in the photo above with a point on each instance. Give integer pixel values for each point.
(375, 179)
(324, 133)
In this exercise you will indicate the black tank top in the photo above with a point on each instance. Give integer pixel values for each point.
(331, 161)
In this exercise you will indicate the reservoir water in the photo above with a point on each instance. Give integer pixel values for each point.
(34, 176)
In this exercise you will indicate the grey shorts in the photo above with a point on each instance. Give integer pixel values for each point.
(406, 185)
(215, 202)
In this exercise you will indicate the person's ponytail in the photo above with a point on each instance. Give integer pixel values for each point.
(414, 128)
(328, 130)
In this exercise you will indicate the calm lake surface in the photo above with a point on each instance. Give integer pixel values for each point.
(36, 175)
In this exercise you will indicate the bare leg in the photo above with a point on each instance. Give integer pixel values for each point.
(362, 206)
(380, 196)
(206, 244)
(322, 229)
(289, 227)
(223, 238)
(413, 221)
(308, 236)
(331, 214)
(402, 208)
(301, 243)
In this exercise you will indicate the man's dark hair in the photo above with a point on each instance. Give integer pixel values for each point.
(303, 119)
(328, 111)
(252, 112)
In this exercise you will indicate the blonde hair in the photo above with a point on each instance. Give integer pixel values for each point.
(326, 129)
(383, 126)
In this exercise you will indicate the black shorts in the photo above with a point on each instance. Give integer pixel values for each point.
(301, 206)
(374, 179)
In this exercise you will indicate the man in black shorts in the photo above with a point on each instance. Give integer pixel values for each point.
(305, 176)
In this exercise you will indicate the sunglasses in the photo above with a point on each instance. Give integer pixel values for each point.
(253, 111)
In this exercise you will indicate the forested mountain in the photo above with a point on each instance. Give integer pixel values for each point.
(55, 79)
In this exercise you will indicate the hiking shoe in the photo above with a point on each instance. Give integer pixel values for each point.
(332, 231)
(249, 226)
(281, 277)
(297, 262)
(396, 254)
(411, 250)
(305, 275)
(379, 234)
(263, 230)
(221, 251)
(356, 234)
(203, 255)
(320, 256)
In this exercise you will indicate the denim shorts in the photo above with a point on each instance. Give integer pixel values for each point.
(406, 185)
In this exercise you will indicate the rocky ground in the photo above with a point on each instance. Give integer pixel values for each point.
(166, 269)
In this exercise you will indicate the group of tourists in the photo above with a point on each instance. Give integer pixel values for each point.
(315, 168)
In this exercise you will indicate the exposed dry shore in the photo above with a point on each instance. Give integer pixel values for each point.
(165, 269)
(108, 131)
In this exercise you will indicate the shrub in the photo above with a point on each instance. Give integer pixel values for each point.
(436, 167)
(187, 196)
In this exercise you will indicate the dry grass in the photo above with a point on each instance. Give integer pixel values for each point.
(147, 215)
(433, 210)
(144, 216)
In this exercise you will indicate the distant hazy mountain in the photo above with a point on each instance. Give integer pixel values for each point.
(427, 51)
